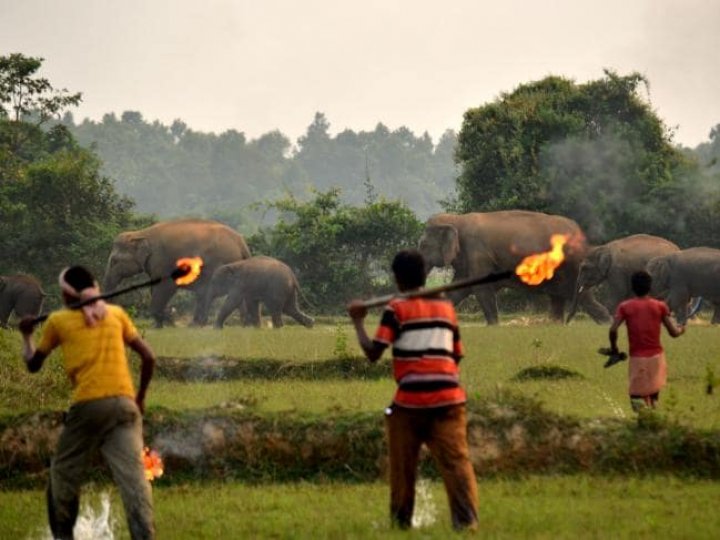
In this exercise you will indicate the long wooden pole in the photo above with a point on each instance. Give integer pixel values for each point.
(459, 284)
(175, 274)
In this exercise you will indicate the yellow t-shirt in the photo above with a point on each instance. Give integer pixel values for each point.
(94, 357)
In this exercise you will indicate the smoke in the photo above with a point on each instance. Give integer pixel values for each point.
(425, 513)
(614, 187)
(588, 180)
(92, 524)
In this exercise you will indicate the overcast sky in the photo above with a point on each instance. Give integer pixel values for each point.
(259, 65)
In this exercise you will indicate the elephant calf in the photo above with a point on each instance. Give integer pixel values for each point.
(256, 280)
(22, 294)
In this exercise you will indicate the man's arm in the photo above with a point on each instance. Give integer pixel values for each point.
(675, 330)
(146, 370)
(33, 358)
(372, 349)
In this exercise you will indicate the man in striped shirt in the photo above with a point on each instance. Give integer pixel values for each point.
(429, 404)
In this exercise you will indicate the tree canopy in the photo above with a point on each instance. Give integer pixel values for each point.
(175, 171)
(338, 251)
(596, 152)
(57, 209)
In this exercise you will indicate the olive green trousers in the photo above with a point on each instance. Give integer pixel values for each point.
(114, 427)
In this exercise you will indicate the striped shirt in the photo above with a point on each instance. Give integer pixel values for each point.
(426, 350)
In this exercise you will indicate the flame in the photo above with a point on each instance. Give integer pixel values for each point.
(195, 265)
(534, 269)
(153, 464)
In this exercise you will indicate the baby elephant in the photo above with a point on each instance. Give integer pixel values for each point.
(251, 281)
(21, 294)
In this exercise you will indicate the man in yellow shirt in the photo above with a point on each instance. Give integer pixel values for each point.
(106, 413)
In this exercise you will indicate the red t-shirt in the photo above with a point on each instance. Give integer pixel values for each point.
(643, 317)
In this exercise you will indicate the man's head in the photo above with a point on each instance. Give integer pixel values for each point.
(74, 280)
(641, 282)
(409, 269)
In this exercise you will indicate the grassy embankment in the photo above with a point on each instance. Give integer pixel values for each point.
(540, 507)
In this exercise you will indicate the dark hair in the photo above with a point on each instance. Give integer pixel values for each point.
(641, 282)
(409, 268)
(79, 278)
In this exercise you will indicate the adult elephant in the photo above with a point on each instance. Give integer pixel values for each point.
(21, 294)
(155, 250)
(253, 281)
(613, 263)
(477, 244)
(679, 276)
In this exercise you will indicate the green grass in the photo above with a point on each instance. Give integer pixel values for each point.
(536, 507)
(494, 357)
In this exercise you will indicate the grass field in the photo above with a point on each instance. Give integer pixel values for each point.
(535, 507)
(493, 357)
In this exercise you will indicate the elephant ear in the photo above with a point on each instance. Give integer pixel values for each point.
(450, 243)
(659, 270)
(604, 260)
(141, 249)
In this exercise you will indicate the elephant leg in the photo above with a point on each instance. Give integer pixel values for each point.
(202, 305)
(252, 312)
(595, 309)
(488, 303)
(292, 310)
(716, 314)
(557, 308)
(678, 303)
(276, 318)
(5, 310)
(231, 303)
(161, 295)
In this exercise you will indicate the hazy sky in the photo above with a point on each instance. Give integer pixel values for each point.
(261, 65)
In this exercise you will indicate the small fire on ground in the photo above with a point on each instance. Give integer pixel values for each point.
(153, 464)
(539, 267)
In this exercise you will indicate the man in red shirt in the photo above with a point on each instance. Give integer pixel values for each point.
(429, 404)
(644, 316)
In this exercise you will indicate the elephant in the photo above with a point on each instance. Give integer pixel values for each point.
(679, 276)
(615, 262)
(21, 294)
(249, 282)
(476, 244)
(155, 250)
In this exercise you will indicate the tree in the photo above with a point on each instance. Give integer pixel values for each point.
(596, 152)
(56, 207)
(27, 101)
(338, 251)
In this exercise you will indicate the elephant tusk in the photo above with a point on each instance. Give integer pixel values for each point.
(581, 288)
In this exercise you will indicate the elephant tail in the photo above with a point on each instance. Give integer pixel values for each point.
(302, 295)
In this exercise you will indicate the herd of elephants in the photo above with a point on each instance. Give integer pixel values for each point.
(473, 244)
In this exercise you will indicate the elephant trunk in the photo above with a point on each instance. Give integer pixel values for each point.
(575, 301)
(111, 280)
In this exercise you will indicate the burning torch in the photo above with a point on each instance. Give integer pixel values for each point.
(187, 270)
(532, 270)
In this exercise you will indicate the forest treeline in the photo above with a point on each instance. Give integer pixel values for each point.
(335, 207)
(172, 170)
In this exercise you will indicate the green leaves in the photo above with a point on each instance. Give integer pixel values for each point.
(338, 251)
(596, 152)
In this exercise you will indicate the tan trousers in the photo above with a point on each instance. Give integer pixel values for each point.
(113, 426)
(444, 431)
